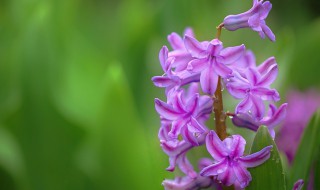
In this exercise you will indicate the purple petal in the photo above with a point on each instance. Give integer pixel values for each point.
(165, 110)
(209, 80)
(193, 104)
(163, 56)
(237, 146)
(215, 147)
(227, 177)
(256, 159)
(197, 65)
(193, 89)
(215, 169)
(186, 167)
(298, 185)
(264, 67)
(205, 105)
(177, 101)
(163, 131)
(237, 90)
(266, 94)
(221, 69)
(188, 31)
(268, 32)
(231, 54)
(266, 7)
(277, 117)
(214, 47)
(194, 47)
(254, 22)
(242, 174)
(162, 81)
(189, 137)
(253, 76)
(272, 110)
(175, 41)
(204, 162)
(244, 105)
(195, 127)
(269, 77)
(258, 107)
(245, 120)
(177, 125)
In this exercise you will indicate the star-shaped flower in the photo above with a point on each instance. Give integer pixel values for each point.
(211, 61)
(230, 165)
(253, 86)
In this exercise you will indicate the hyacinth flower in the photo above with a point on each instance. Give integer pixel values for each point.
(253, 88)
(179, 53)
(273, 118)
(171, 80)
(253, 18)
(230, 164)
(184, 114)
(211, 61)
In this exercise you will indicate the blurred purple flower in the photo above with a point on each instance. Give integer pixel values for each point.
(301, 107)
(210, 61)
(253, 18)
(253, 86)
(230, 165)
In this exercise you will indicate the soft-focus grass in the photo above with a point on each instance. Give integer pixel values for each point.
(76, 100)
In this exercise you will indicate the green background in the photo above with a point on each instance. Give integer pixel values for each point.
(76, 99)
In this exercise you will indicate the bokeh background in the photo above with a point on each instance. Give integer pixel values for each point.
(76, 99)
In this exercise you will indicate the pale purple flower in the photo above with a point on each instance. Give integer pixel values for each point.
(253, 87)
(211, 61)
(184, 113)
(253, 18)
(230, 165)
(273, 118)
(171, 79)
(301, 107)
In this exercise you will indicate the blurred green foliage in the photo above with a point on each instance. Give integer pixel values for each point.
(76, 100)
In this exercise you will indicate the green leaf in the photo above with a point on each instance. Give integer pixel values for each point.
(307, 152)
(270, 174)
(317, 173)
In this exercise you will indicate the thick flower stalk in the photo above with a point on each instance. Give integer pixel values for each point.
(191, 64)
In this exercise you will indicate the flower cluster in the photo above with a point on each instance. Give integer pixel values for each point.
(193, 71)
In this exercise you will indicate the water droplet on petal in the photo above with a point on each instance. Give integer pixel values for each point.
(219, 171)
